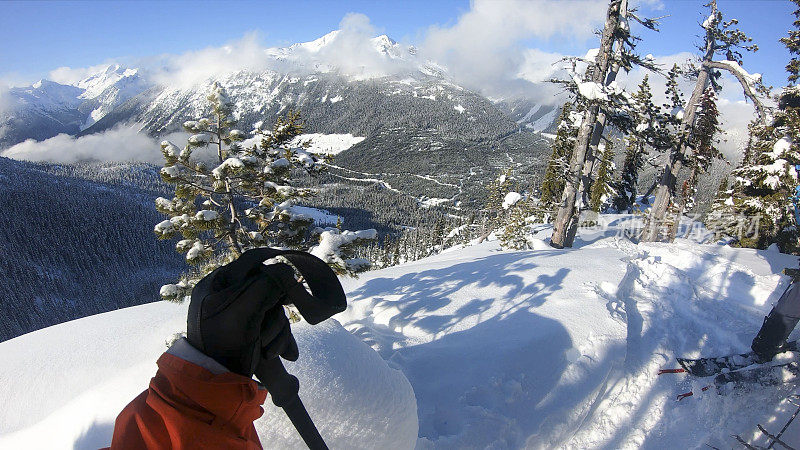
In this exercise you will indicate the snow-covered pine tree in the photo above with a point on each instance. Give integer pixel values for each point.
(602, 188)
(229, 199)
(494, 213)
(704, 148)
(514, 233)
(756, 211)
(703, 153)
(339, 249)
(553, 182)
(635, 148)
(598, 100)
(721, 38)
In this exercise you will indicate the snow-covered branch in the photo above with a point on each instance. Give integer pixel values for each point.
(747, 80)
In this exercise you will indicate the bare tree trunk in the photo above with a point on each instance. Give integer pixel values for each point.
(566, 221)
(669, 177)
(232, 228)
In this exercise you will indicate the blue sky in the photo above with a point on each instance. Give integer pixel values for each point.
(47, 35)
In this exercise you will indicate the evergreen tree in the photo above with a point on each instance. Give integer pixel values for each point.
(234, 198)
(497, 190)
(598, 101)
(626, 188)
(703, 152)
(704, 148)
(558, 164)
(724, 39)
(514, 235)
(792, 43)
(756, 211)
(602, 188)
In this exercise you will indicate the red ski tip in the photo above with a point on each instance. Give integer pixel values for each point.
(689, 394)
(663, 371)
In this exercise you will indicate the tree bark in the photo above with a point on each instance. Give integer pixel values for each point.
(566, 222)
(669, 176)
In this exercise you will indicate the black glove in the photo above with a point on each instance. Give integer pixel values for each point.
(236, 313)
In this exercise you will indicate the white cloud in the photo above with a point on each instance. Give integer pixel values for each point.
(483, 48)
(5, 100)
(353, 52)
(191, 68)
(123, 143)
(538, 67)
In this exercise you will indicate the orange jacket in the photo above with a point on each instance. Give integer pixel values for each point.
(189, 407)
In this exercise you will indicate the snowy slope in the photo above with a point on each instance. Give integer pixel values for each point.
(531, 349)
(549, 348)
(68, 382)
(47, 108)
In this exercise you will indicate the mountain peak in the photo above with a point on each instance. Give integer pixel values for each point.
(317, 44)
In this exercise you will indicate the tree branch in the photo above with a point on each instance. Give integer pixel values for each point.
(744, 443)
(196, 185)
(748, 90)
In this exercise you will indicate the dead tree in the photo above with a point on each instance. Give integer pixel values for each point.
(720, 38)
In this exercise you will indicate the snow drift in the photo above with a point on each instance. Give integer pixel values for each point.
(68, 383)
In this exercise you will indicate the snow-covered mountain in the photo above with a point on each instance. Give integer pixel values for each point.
(108, 89)
(423, 133)
(341, 83)
(47, 108)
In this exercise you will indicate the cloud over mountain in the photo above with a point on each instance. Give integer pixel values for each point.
(485, 47)
(123, 143)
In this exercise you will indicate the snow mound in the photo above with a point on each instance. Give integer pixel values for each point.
(355, 399)
(68, 383)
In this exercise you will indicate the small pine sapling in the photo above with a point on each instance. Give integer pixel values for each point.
(230, 198)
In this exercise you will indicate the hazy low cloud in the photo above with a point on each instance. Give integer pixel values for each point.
(5, 100)
(351, 52)
(119, 144)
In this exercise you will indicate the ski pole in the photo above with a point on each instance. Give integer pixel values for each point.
(663, 371)
(283, 387)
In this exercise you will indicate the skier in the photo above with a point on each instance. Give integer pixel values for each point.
(202, 395)
(778, 325)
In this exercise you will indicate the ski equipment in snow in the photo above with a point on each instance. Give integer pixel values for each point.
(764, 375)
(706, 367)
(778, 324)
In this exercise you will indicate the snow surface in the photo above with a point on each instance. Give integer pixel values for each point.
(551, 348)
(542, 348)
(69, 382)
(320, 216)
(331, 144)
(511, 199)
